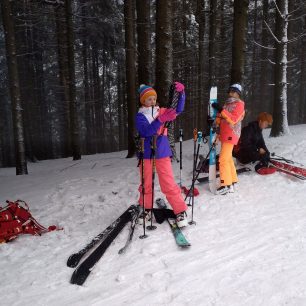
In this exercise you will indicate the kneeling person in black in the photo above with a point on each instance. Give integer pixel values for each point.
(251, 146)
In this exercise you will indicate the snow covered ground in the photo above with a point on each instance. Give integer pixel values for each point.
(248, 248)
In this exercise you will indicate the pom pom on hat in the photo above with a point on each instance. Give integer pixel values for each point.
(146, 91)
(236, 87)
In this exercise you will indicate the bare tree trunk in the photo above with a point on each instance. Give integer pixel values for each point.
(254, 73)
(120, 105)
(87, 102)
(112, 134)
(239, 40)
(164, 59)
(61, 33)
(280, 123)
(302, 91)
(143, 40)
(265, 72)
(224, 48)
(164, 65)
(8, 25)
(212, 43)
(44, 127)
(74, 129)
(130, 73)
(103, 99)
(97, 100)
(201, 109)
(292, 97)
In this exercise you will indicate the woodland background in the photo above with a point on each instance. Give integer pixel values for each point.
(70, 69)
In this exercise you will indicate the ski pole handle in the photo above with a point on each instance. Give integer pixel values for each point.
(181, 150)
(142, 145)
(199, 137)
(195, 134)
(180, 135)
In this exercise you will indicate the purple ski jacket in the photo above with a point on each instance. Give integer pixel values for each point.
(148, 125)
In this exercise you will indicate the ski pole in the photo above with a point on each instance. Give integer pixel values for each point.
(192, 205)
(198, 140)
(181, 155)
(199, 169)
(143, 188)
(195, 137)
(153, 148)
(285, 159)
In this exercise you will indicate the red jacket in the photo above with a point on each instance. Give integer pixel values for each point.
(230, 119)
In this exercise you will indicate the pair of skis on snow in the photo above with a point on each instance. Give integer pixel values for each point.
(87, 257)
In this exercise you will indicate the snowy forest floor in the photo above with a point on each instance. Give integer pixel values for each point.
(248, 248)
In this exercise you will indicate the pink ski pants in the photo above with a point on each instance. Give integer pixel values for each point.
(166, 181)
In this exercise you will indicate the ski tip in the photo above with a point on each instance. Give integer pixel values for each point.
(79, 276)
(213, 89)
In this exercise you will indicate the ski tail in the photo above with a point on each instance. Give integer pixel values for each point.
(179, 237)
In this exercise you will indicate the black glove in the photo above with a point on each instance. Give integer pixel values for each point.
(210, 121)
(217, 106)
(216, 129)
(265, 158)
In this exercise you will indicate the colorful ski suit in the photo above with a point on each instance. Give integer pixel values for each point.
(229, 121)
(147, 126)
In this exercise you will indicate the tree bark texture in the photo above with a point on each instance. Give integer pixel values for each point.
(202, 105)
(63, 67)
(212, 42)
(164, 65)
(280, 123)
(74, 124)
(17, 110)
(130, 73)
(239, 40)
(143, 42)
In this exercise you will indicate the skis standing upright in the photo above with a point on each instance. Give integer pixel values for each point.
(212, 135)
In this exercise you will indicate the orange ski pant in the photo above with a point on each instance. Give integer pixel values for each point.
(167, 184)
(228, 174)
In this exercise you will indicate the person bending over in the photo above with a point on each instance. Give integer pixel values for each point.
(251, 146)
